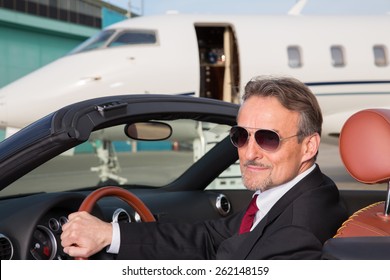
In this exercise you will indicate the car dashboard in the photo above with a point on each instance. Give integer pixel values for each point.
(31, 226)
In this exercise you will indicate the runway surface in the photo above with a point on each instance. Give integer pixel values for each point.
(136, 168)
(330, 163)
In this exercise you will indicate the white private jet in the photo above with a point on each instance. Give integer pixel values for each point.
(343, 59)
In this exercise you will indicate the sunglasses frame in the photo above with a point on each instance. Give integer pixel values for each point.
(257, 130)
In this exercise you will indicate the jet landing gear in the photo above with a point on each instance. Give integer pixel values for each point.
(109, 168)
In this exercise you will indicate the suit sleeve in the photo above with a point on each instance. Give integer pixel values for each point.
(175, 241)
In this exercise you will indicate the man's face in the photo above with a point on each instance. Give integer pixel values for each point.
(262, 169)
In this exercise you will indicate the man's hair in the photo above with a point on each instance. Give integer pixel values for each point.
(294, 96)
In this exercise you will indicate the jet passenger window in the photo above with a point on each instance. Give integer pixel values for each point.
(380, 55)
(337, 53)
(294, 57)
(134, 37)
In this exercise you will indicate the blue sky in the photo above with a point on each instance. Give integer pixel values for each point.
(313, 7)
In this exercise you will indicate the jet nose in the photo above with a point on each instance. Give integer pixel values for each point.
(3, 123)
(3, 113)
(12, 114)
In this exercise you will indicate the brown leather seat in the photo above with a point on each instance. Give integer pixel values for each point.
(365, 151)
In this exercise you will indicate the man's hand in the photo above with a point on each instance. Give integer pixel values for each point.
(84, 235)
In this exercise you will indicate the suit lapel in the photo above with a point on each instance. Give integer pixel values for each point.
(309, 182)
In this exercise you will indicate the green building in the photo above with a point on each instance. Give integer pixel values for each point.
(36, 32)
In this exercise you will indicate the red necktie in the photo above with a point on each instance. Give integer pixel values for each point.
(247, 220)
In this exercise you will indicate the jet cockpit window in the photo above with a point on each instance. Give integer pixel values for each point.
(113, 38)
(95, 42)
(134, 37)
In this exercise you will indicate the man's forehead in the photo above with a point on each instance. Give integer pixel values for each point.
(266, 112)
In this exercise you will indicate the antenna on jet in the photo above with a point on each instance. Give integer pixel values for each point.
(130, 14)
(297, 8)
(128, 9)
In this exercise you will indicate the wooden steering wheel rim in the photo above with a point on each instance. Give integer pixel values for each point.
(131, 199)
(128, 197)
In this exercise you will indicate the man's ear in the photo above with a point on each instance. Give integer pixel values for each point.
(310, 146)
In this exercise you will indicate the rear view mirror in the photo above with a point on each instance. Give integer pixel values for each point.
(148, 131)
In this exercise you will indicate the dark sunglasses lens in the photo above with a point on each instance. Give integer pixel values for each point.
(267, 139)
(238, 136)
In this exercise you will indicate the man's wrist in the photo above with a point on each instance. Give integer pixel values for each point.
(113, 248)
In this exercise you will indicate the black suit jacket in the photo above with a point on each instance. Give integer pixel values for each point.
(295, 228)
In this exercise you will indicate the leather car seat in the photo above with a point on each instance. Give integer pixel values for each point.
(364, 146)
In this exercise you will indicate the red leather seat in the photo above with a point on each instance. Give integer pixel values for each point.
(365, 151)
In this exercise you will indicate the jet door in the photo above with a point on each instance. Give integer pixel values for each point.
(219, 67)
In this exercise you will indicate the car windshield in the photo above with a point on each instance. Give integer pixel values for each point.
(110, 156)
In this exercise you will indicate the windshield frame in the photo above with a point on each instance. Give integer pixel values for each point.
(74, 124)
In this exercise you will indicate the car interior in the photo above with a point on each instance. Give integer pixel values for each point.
(200, 187)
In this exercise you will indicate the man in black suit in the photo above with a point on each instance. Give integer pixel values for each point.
(296, 207)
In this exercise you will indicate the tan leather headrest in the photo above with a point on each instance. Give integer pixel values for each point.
(365, 146)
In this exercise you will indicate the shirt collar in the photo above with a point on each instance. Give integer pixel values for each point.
(265, 200)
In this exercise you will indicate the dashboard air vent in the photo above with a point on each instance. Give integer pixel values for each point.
(6, 249)
(121, 216)
(223, 205)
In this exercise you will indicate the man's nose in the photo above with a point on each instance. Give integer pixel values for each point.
(253, 150)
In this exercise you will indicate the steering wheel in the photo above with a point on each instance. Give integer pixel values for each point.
(128, 197)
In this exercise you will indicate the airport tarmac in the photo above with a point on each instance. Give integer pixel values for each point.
(135, 167)
(331, 164)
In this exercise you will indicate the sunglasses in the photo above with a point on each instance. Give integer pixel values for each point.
(268, 140)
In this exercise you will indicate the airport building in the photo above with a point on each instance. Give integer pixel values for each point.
(36, 32)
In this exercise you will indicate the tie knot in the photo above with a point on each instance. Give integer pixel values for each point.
(252, 208)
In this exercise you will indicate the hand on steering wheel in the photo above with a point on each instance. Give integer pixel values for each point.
(138, 206)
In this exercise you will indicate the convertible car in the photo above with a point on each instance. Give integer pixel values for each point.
(128, 159)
